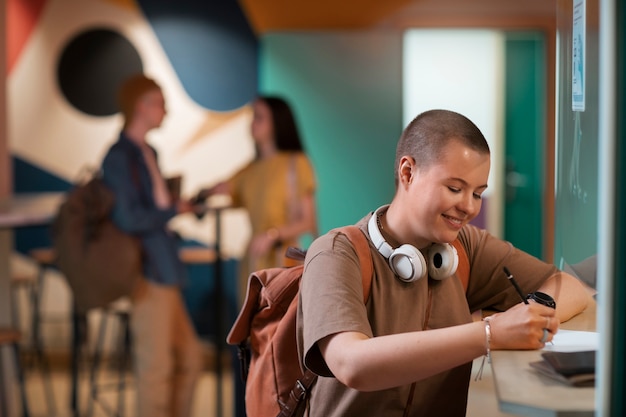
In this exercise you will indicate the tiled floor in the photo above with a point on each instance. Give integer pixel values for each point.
(482, 400)
(204, 404)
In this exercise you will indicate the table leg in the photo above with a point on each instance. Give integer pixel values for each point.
(78, 333)
(219, 317)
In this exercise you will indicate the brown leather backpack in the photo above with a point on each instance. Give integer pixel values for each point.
(100, 262)
(265, 332)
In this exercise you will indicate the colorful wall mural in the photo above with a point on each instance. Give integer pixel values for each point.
(66, 58)
(65, 61)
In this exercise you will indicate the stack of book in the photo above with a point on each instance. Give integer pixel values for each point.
(576, 369)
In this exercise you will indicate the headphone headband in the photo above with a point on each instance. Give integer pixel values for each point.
(373, 228)
(407, 262)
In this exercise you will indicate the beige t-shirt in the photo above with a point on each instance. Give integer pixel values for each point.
(331, 301)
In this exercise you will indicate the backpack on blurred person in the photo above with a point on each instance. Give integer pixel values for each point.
(100, 262)
(265, 332)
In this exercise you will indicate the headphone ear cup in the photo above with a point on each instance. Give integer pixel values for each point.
(407, 263)
(442, 261)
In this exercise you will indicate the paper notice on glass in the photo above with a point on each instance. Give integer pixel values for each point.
(578, 56)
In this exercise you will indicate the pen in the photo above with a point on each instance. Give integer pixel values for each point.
(517, 288)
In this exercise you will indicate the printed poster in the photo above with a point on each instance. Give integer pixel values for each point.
(578, 56)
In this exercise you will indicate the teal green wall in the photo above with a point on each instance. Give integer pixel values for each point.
(576, 205)
(525, 139)
(346, 91)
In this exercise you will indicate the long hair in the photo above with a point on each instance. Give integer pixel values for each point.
(286, 134)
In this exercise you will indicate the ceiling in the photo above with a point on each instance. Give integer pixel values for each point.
(307, 15)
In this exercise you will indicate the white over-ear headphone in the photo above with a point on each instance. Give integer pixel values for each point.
(407, 262)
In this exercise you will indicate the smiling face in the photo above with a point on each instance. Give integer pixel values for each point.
(438, 199)
(442, 166)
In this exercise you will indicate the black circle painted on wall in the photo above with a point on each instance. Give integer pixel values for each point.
(91, 67)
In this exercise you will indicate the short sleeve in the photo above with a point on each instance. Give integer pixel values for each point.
(306, 175)
(488, 256)
(331, 298)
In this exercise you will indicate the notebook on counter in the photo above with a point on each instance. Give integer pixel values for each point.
(576, 368)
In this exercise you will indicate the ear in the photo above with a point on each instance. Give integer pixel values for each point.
(406, 170)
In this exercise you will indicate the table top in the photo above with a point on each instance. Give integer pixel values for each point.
(29, 209)
(522, 391)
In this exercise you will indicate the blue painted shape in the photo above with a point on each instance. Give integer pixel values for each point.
(211, 47)
(31, 237)
(200, 296)
(28, 178)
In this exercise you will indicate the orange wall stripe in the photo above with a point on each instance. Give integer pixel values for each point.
(22, 16)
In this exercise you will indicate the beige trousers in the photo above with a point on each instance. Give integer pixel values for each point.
(167, 352)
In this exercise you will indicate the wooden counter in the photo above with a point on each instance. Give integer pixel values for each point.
(522, 391)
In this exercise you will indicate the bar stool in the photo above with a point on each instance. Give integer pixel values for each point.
(45, 260)
(122, 355)
(197, 255)
(21, 281)
(10, 337)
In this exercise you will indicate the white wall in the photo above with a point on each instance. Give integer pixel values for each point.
(463, 71)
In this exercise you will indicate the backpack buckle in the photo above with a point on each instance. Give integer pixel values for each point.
(299, 391)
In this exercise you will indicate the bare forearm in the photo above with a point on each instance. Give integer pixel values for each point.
(370, 364)
(570, 295)
(304, 224)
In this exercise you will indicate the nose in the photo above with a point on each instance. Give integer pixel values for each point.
(470, 205)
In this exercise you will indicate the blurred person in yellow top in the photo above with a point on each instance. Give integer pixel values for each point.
(277, 188)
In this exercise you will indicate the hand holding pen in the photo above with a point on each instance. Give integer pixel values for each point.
(537, 296)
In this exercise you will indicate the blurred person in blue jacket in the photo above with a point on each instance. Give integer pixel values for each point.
(166, 349)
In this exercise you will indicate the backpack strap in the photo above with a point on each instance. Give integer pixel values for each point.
(302, 386)
(463, 269)
(362, 247)
(298, 393)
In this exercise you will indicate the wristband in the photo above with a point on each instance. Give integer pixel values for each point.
(487, 356)
(488, 338)
(542, 298)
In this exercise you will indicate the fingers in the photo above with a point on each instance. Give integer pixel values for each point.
(552, 324)
(546, 337)
(524, 326)
(545, 324)
(550, 329)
